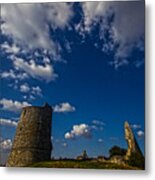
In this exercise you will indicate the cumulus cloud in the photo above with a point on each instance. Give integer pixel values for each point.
(8, 122)
(126, 31)
(69, 135)
(79, 130)
(5, 144)
(140, 133)
(21, 22)
(36, 71)
(14, 106)
(64, 107)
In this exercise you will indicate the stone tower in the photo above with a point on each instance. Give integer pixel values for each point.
(32, 142)
(132, 143)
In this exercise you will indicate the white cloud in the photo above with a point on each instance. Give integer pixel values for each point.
(31, 97)
(126, 31)
(14, 106)
(5, 144)
(135, 126)
(92, 12)
(59, 14)
(24, 88)
(97, 125)
(36, 90)
(30, 92)
(8, 122)
(33, 91)
(64, 107)
(100, 140)
(10, 48)
(41, 72)
(28, 24)
(97, 122)
(64, 144)
(11, 74)
(68, 135)
(140, 133)
(79, 130)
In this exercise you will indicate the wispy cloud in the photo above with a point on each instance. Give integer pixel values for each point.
(12, 74)
(100, 140)
(8, 122)
(98, 122)
(24, 88)
(30, 92)
(36, 71)
(135, 126)
(14, 106)
(114, 138)
(33, 39)
(64, 107)
(13, 48)
(97, 125)
(64, 144)
(34, 32)
(125, 31)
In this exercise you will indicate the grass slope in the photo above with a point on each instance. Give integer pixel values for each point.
(87, 164)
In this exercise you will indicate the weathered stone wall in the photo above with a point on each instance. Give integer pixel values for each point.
(131, 141)
(32, 142)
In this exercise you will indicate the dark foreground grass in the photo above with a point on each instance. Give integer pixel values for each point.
(87, 164)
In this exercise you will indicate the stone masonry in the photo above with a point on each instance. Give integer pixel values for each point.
(131, 140)
(32, 142)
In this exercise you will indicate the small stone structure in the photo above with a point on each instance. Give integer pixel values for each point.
(32, 142)
(101, 159)
(83, 156)
(132, 143)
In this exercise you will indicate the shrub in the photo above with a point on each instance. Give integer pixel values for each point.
(137, 160)
(115, 150)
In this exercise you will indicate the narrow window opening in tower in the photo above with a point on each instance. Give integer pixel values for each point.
(24, 113)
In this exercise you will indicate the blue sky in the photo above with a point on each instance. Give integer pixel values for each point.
(86, 60)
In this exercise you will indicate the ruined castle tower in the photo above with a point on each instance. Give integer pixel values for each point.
(132, 143)
(32, 142)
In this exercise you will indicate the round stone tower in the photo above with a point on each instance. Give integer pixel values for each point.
(32, 142)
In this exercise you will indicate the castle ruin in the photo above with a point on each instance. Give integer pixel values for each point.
(133, 146)
(32, 142)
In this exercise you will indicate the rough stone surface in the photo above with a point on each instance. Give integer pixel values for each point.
(117, 159)
(32, 142)
(132, 143)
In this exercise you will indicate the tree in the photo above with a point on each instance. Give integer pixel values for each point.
(115, 150)
(136, 160)
(84, 155)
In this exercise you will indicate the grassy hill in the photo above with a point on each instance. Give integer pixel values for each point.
(86, 164)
